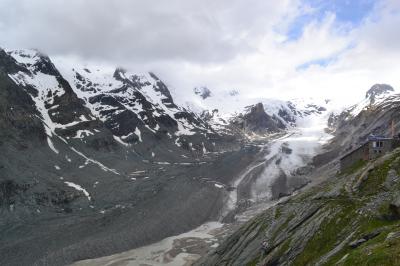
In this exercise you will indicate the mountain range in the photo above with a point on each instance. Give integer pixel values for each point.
(96, 161)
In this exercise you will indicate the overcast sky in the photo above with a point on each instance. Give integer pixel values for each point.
(286, 48)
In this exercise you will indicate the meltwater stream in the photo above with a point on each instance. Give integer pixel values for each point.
(283, 155)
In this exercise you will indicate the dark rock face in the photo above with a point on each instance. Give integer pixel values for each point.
(394, 206)
(203, 92)
(286, 116)
(18, 116)
(8, 64)
(257, 120)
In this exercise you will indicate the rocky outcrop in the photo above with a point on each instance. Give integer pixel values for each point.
(256, 120)
(203, 92)
(394, 207)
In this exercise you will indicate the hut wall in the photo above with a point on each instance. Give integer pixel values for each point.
(361, 153)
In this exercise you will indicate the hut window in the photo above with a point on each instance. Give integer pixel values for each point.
(377, 144)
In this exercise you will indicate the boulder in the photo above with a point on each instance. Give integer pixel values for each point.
(357, 242)
(364, 238)
(394, 207)
(392, 235)
(391, 179)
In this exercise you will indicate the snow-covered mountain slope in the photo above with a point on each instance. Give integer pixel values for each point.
(144, 99)
(379, 97)
(52, 95)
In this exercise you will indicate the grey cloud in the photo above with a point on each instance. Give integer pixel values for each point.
(139, 31)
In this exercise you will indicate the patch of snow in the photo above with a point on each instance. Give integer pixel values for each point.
(204, 148)
(83, 118)
(118, 139)
(177, 142)
(184, 163)
(165, 163)
(83, 133)
(79, 188)
(102, 166)
(138, 172)
(51, 145)
(24, 56)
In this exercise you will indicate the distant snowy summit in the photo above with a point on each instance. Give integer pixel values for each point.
(252, 115)
(378, 91)
(377, 95)
(379, 98)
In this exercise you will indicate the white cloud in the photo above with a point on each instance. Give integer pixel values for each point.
(361, 57)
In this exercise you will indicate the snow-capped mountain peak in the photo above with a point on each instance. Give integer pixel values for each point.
(378, 94)
(378, 91)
